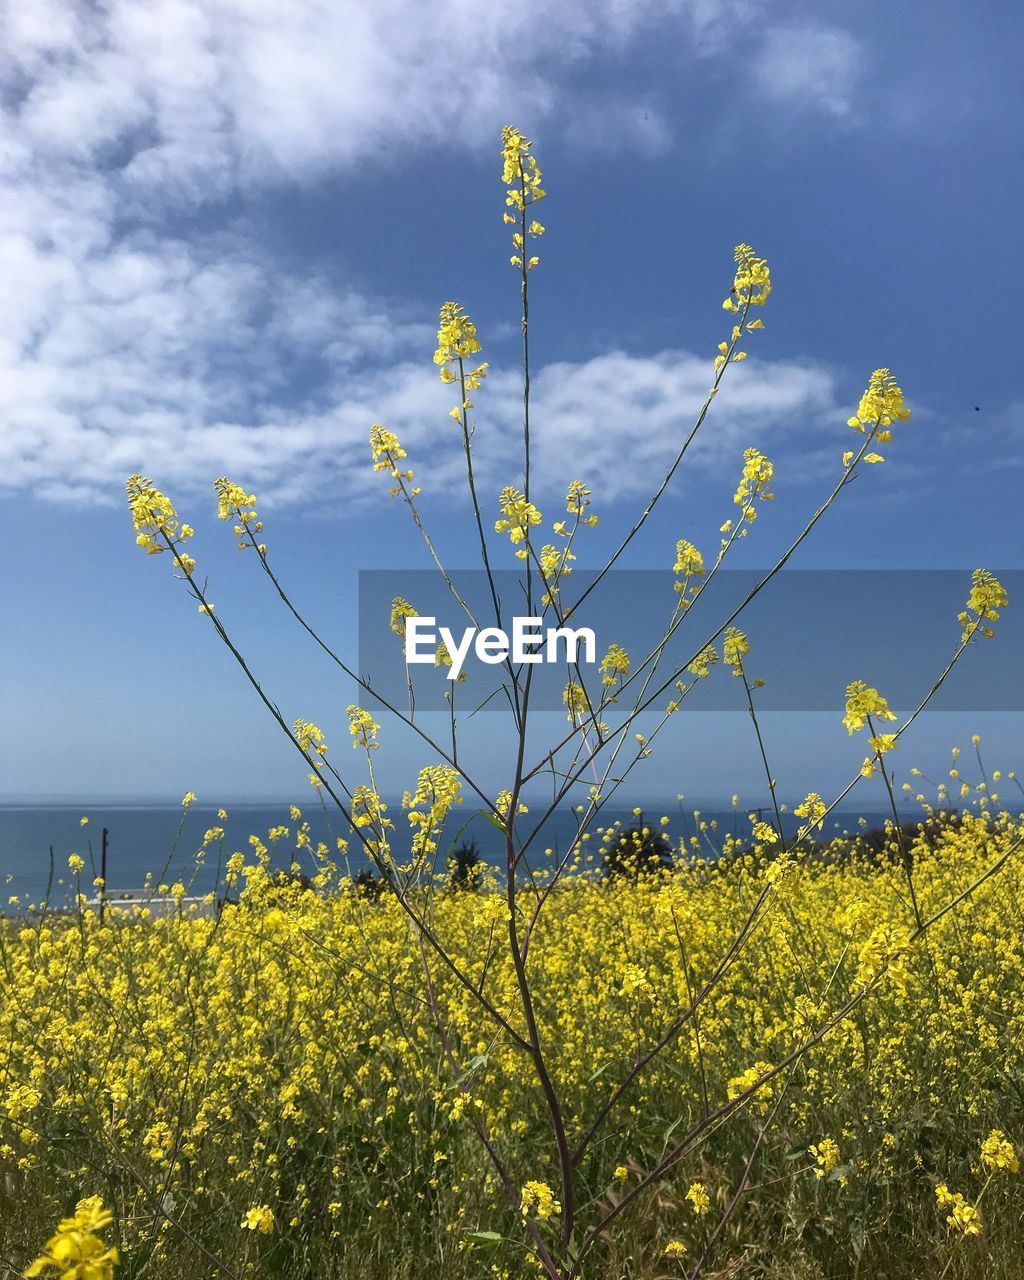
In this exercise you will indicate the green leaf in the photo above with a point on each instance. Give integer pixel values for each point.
(484, 1237)
(473, 1064)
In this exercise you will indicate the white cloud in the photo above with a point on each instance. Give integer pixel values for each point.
(129, 345)
(188, 97)
(186, 370)
(810, 66)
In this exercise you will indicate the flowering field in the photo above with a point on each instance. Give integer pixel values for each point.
(264, 1092)
(770, 1056)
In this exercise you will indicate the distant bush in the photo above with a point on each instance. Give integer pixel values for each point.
(638, 850)
(466, 866)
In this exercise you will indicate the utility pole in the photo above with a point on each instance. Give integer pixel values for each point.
(103, 872)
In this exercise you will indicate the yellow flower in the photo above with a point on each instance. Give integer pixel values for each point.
(884, 952)
(521, 175)
(155, 520)
(234, 503)
(456, 341)
(575, 700)
(438, 788)
(813, 808)
(634, 981)
(758, 472)
(387, 453)
(689, 561)
(537, 1199)
(703, 662)
(752, 283)
(764, 832)
(962, 1216)
(987, 597)
(674, 1249)
(826, 1156)
(699, 1198)
(614, 666)
(259, 1218)
(518, 517)
(577, 500)
(863, 701)
(735, 647)
(363, 728)
(456, 335)
(997, 1152)
(310, 739)
(880, 406)
(740, 1084)
(504, 802)
(76, 1251)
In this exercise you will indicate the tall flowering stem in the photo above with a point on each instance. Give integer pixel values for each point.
(560, 1221)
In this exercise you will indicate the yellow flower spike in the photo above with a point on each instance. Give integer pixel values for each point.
(752, 283)
(963, 1217)
(155, 520)
(518, 517)
(754, 485)
(614, 667)
(998, 1153)
(538, 1200)
(456, 341)
(521, 176)
(310, 739)
(577, 503)
(400, 610)
(76, 1251)
(813, 808)
(761, 1098)
(698, 1197)
(574, 699)
(703, 662)
(863, 701)
(826, 1156)
(438, 790)
(735, 647)
(880, 406)
(259, 1218)
(503, 804)
(387, 452)
(986, 598)
(689, 561)
(233, 501)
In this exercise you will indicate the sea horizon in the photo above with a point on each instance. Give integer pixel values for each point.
(160, 838)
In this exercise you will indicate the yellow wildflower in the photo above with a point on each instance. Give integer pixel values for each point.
(997, 1152)
(537, 1199)
(259, 1218)
(76, 1251)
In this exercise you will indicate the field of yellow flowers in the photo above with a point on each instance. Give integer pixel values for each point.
(263, 1091)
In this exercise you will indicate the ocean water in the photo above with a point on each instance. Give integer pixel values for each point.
(153, 838)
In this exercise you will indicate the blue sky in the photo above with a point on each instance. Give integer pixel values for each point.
(226, 231)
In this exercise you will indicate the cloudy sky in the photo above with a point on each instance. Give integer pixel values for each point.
(225, 230)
